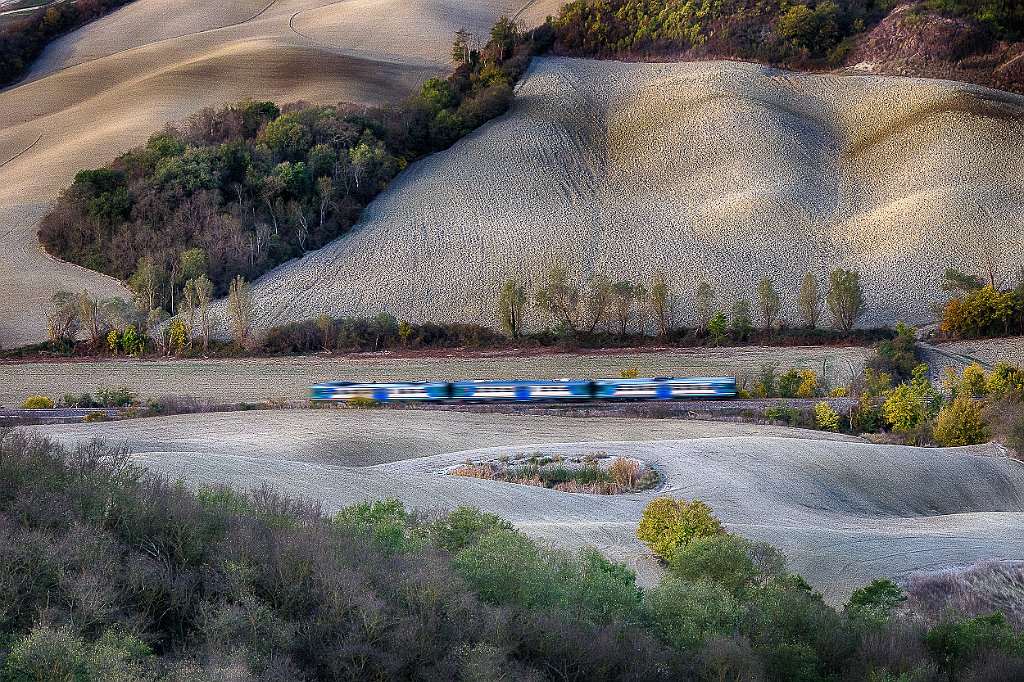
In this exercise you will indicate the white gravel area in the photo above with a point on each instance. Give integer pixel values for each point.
(843, 511)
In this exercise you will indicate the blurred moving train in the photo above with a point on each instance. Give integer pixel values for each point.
(659, 388)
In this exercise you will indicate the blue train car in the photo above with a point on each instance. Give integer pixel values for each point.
(664, 388)
(521, 391)
(407, 391)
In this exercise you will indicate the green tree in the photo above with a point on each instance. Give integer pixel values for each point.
(816, 28)
(718, 327)
(511, 306)
(504, 36)
(909, 405)
(461, 46)
(667, 524)
(770, 302)
(741, 326)
(287, 137)
(958, 282)
(879, 600)
(845, 298)
(808, 301)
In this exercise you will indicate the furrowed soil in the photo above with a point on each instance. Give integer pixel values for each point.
(843, 511)
(290, 378)
(107, 87)
(705, 171)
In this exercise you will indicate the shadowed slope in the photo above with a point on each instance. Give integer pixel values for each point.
(722, 171)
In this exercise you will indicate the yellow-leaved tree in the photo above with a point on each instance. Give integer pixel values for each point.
(668, 524)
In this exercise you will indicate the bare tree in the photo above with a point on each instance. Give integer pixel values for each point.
(325, 323)
(660, 306)
(599, 299)
(202, 289)
(559, 297)
(145, 282)
(623, 298)
(705, 304)
(240, 310)
(89, 317)
(62, 316)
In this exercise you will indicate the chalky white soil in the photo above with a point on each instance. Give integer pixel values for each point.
(107, 87)
(712, 171)
(843, 511)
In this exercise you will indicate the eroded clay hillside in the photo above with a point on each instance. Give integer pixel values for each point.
(715, 171)
(106, 88)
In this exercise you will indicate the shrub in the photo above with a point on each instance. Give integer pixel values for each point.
(809, 384)
(685, 614)
(720, 559)
(1006, 382)
(667, 524)
(880, 599)
(119, 396)
(961, 423)
(825, 417)
(956, 644)
(624, 471)
(361, 402)
(37, 402)
(94, 417)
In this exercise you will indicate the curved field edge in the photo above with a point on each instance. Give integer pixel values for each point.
(844, 512)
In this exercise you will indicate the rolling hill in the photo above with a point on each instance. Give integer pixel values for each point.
(715, 171)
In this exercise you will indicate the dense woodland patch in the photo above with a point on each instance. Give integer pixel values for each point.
(239, 190)
(971, 40)
(23, 40)
(107, 572)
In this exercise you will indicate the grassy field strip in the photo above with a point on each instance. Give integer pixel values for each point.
(290, 378)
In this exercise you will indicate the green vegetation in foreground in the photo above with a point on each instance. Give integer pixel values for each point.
(110, 572)
(107, 572)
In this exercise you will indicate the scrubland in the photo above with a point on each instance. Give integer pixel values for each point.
(724, 172)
